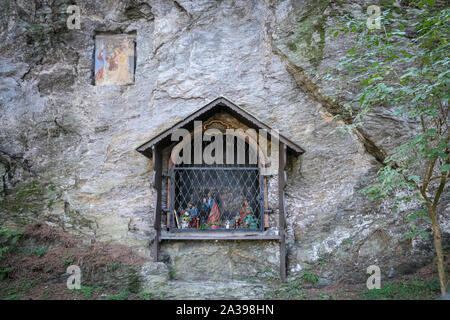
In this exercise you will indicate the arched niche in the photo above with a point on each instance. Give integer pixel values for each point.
(234, 182)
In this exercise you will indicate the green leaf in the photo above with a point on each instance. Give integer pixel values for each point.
(414, 178)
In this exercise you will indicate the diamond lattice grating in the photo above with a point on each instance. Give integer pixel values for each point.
(222, 199)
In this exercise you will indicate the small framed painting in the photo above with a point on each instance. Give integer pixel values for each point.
(114, 59)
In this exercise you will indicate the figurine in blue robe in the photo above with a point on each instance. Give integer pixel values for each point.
(206, 207)
(193, 215)
(192, 210)
(210, 201)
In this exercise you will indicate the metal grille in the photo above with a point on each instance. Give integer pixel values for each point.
(216, 199)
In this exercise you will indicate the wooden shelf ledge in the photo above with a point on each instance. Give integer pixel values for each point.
(219, 237)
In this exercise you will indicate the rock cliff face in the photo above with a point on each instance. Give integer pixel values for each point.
(67, 147)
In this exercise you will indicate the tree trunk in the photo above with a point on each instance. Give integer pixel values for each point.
(439, 253)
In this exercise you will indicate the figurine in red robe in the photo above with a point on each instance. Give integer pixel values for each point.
(214, 215)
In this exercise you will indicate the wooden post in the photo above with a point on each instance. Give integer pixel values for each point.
(281, 210)
(168, 204)
(157, 167)
(266, 204)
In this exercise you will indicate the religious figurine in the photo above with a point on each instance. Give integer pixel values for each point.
(214, 214)
(251, 222)
(184, 224)
(236, 221)
(193, 214)
(245, 211)
(209, 202)
(197, 223)
(185, 218)
(204, 210)
(205, 205)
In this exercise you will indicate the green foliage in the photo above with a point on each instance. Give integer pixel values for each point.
(33, 188)
(31, 199)
(87, 291)
(8, 240)
(310, 277)
(173, 274)
(323, 261)
(5, 272)
(291, 290)
(69, 260)
(45, 295)
(8, 243)
(39, 252)
(292, 46)
(26, 197)
(324, 296)
(347, 241)
(123, 295)
(112, 266)
(13, 291)
(401, 290)
(404, 67)
(134, 281)
(146, 295)
(26, 285)
(271, 275)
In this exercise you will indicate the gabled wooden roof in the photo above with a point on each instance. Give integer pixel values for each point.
(220, 104)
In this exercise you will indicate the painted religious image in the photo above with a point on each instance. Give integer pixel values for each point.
(114, 60)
